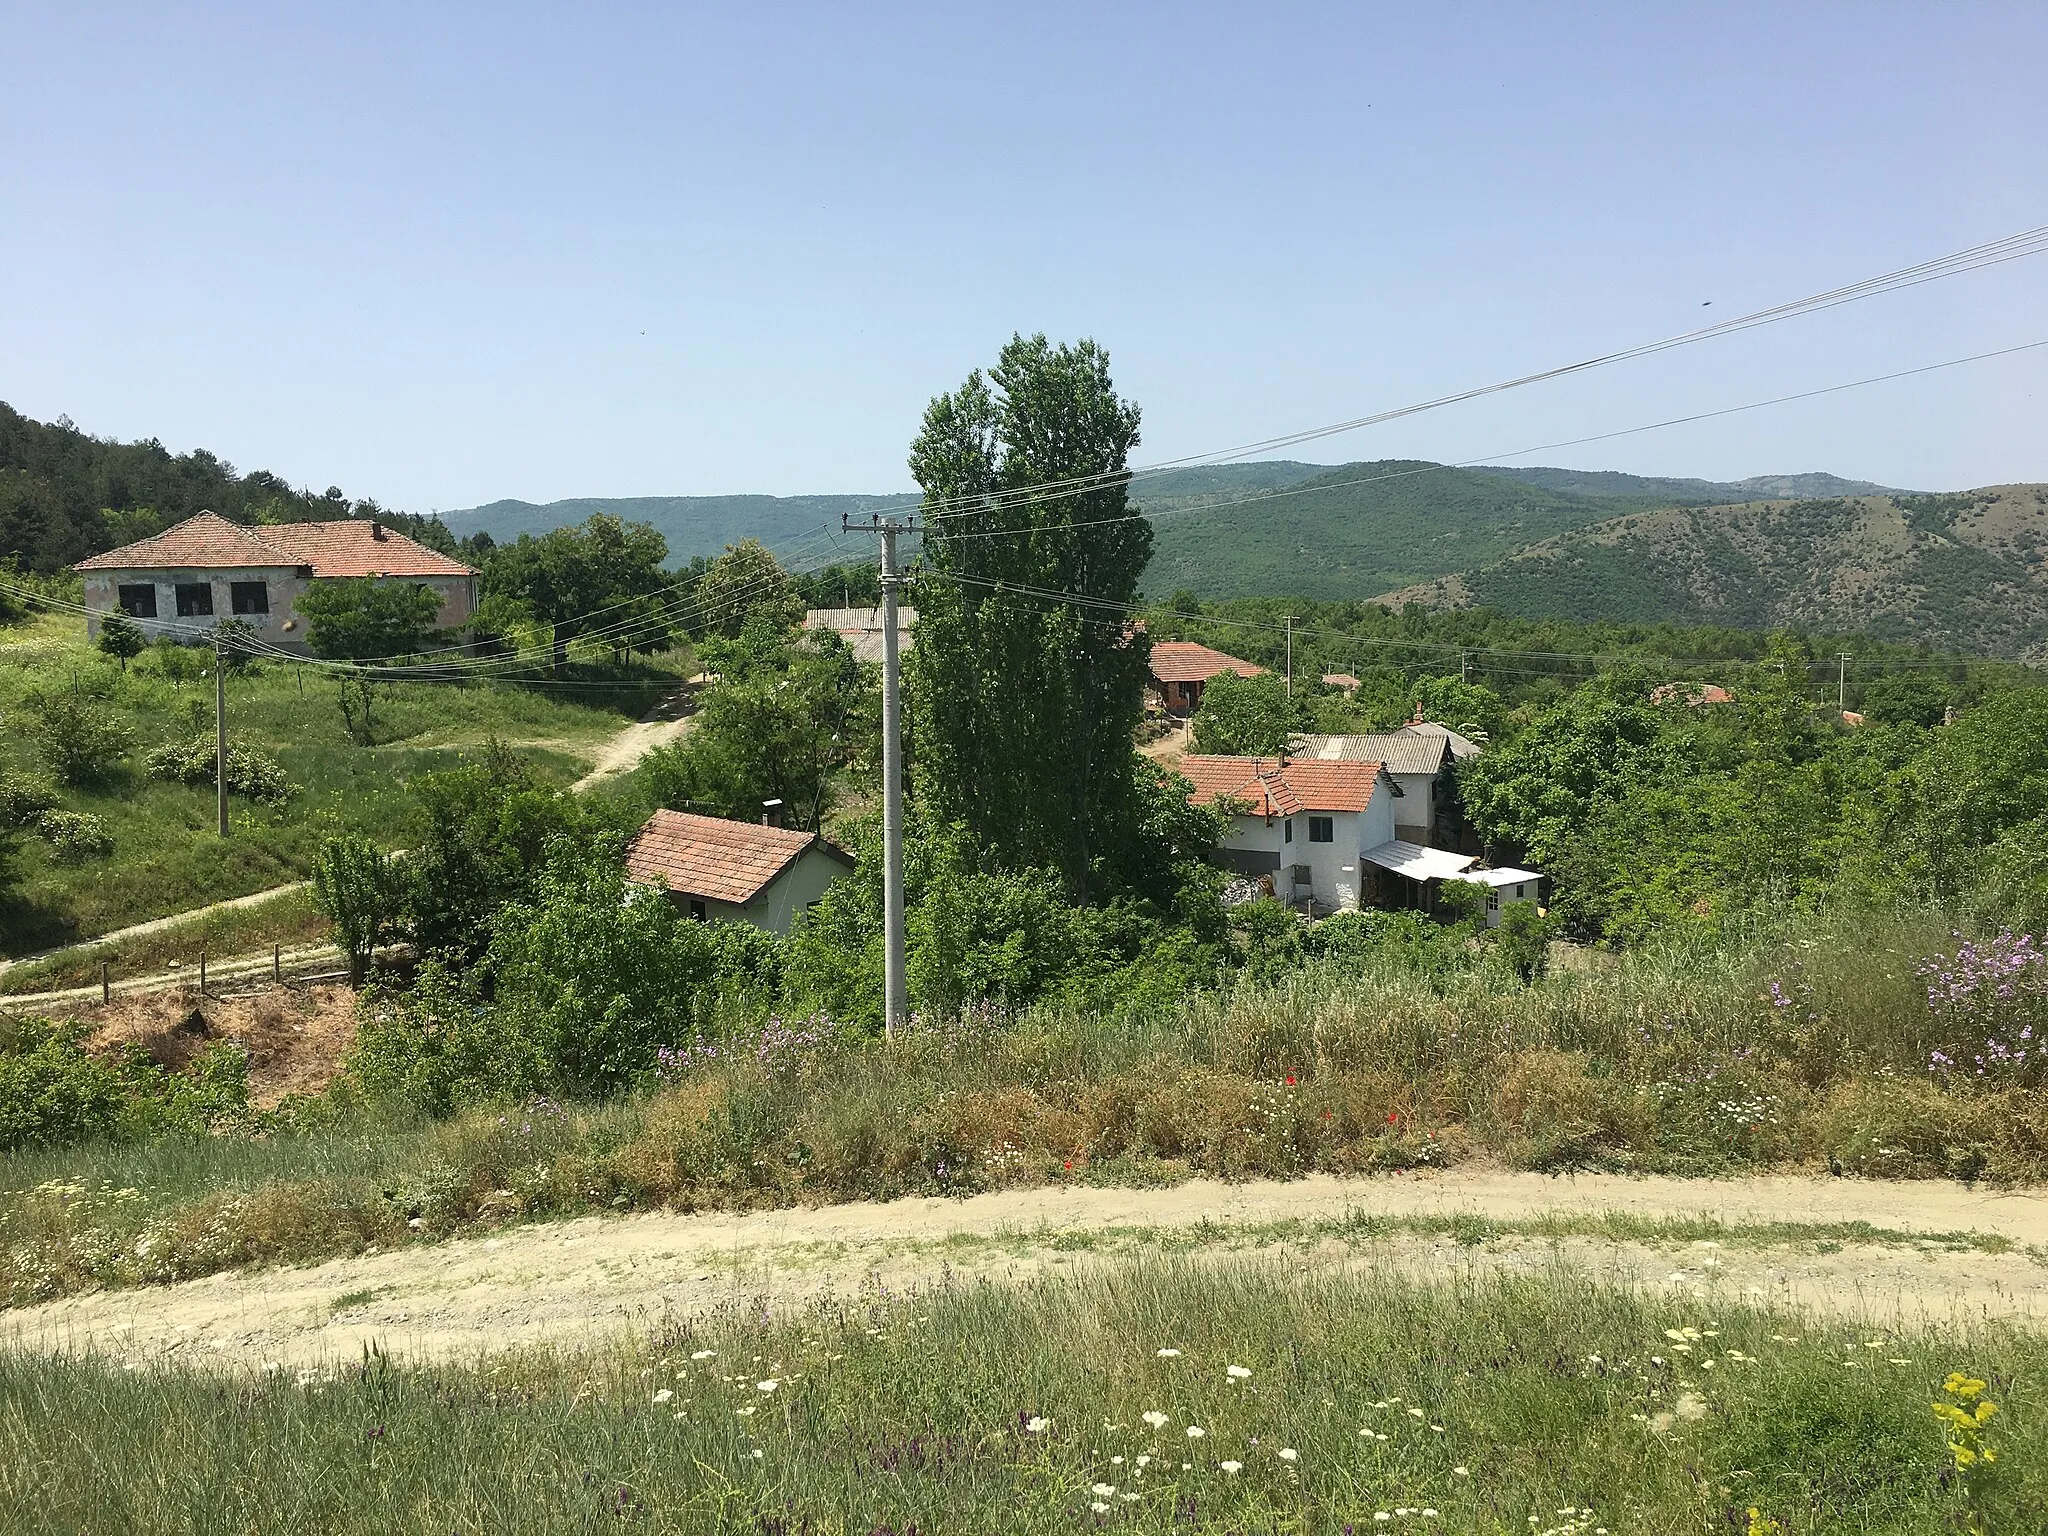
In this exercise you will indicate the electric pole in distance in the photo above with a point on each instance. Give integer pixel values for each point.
(895, 1010)
(1290, 655)
(1841, 681)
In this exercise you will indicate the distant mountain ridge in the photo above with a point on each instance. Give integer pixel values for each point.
(1964, 571)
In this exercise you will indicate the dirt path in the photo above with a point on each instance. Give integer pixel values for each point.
(582, 1279)
(665, 723)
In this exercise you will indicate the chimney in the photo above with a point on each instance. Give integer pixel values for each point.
(376, 529)
(771, 813)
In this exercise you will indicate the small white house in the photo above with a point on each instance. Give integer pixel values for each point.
(1505, 887)
(1306, 825)
(734, 871)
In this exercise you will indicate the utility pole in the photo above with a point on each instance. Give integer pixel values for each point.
(1290, 655)
(1464, 666)
(1841, 681)
(220, 733)
(895, 1009)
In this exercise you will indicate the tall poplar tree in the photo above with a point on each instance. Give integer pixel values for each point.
(1025, 704)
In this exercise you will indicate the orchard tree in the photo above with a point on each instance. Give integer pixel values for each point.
(363, 619)
(1024, 704)
(582, 579)
(121, 637)
(1246, 716)
(744, 581)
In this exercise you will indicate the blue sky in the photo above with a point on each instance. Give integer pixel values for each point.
(441, 255)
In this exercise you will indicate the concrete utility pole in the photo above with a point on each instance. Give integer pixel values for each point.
(895, 1008)
(1290, 655)
(220, 733)
(1841, 681)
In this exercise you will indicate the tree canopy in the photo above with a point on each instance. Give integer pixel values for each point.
(1024, 708)
(586, 578)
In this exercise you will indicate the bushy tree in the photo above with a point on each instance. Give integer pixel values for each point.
(744, 584)
(366, 620)
(782, 721)
(79, 737)
(1247, 716)
(596, 975)
(579, 579)
(359, 888)
(121, 638)
(1025, 707)
(1536, 792)
(483, 841)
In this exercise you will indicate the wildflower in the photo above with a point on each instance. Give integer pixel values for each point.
(1237, 1372)
(1036, 1426)
(705, 1354)
(1116, 1461)
(1231, 1467)
(1169, 1354)
(1195, 1431)
(757, 1455)
(1429, 1514)
(766, 1386)
(1144, 1461)
(1288, 1453)
(1155, 1418)
(1461, 1471)
(1414, 1413)
(663, 1395)
(1103, 1490)
(1099, 1507)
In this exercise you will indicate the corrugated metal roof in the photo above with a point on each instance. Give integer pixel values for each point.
(1401, 751)
(1508, 875)
(1418, 862)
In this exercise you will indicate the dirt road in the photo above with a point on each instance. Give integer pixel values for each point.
(665, 723)
(578, 1280)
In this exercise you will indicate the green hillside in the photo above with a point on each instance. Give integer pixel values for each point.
(692, 525)
(1357, 530)
(1966, 571)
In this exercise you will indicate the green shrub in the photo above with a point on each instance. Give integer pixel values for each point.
(177, 663)
(359, 888)
(23, 799)
(52, 1092)
(80, 740)
(74, 836)
(250, 773)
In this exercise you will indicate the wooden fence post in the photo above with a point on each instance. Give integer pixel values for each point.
(277, 964)
(106, 991)
(202, 973)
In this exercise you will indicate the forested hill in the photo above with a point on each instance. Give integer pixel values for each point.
(1966, 571)
(65, 495)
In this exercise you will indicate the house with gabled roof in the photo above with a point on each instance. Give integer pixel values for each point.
(1423, 760)
(1302, 825)
(1182, 668)
(734, 871)
(185, 580)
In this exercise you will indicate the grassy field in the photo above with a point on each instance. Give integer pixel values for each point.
(1161, 1396)
(290, 919)
(1678, 1062)
(166, 857)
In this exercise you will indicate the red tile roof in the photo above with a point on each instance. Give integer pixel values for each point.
(1184, 661)
(1281, 786)
(352, 548)
(207, 539)
(710, 857)
(357, 548)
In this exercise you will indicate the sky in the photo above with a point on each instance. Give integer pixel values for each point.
(441, 255)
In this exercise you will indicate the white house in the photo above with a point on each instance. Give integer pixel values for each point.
(734, 871)
(1505, 887)
(1304, 824)
(191, 576)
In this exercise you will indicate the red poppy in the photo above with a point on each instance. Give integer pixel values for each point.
(1290, 1079)
(1393, 1117)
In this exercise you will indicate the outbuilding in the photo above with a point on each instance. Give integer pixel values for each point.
(734, 871)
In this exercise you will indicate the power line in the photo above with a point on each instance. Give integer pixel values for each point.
(2030, 242)
(1320, 485)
